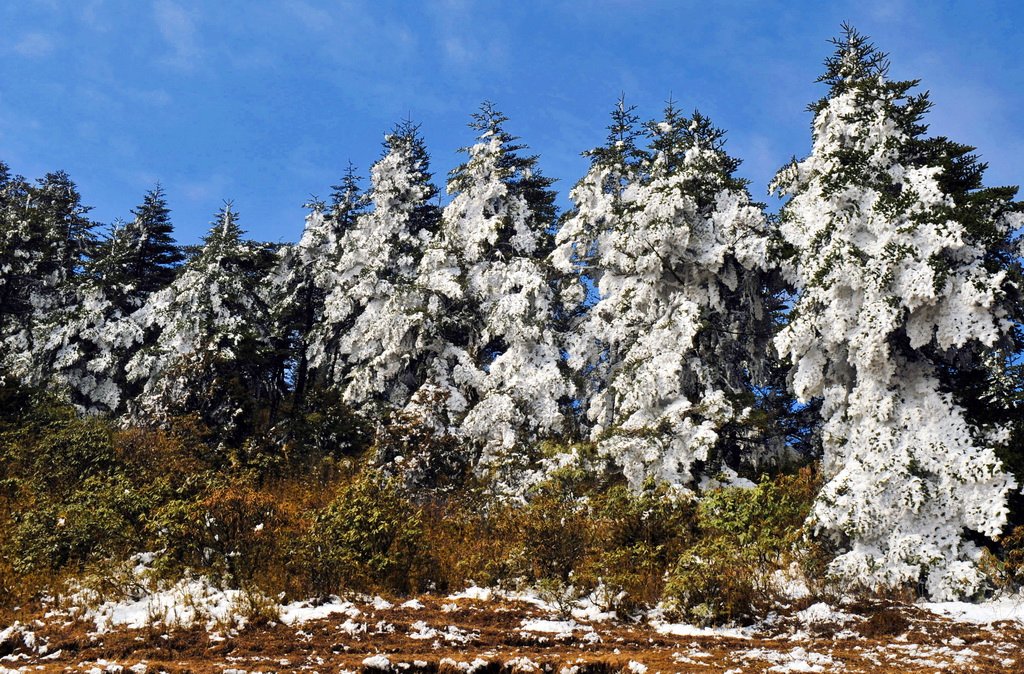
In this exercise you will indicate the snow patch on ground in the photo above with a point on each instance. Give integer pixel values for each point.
(474, 592)
(182, 604)
(795, 660)
(984, 613)
(300, 612)
(559, 627)
(687, 630)
(822, 613)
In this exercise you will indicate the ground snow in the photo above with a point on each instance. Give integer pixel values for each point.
(986, 612)
(300, 612)
(687, 630)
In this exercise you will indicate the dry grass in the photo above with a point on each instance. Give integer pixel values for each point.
(891, 639)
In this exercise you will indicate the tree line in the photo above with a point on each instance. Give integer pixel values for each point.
(665, 328)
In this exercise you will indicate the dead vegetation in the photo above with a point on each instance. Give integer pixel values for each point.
(465, 636)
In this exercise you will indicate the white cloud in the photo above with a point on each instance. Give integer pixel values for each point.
(34, 45)
(178, 29)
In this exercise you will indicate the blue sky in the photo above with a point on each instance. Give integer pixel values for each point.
(265, 102)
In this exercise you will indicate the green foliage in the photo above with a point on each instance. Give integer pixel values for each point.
(746, 535)
(368, 537)
(99, 520)
(326, 426)
(635, 539)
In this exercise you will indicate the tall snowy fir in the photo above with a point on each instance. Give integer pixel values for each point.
(600, 205)
(678, 253)
(367, 344)
(92, 337)
(892, 277)
(496, 361)
(48, 242)
(306, 274)
(20, 272)
(213, 353)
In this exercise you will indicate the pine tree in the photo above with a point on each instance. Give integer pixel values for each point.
(47, 242)
(66, 233)
(213, 341)
(20, 257)
(894, 279)
(367, 344)
(601, 202)
(680, 325)
(496, 358)
(306, 273)
(91, 337)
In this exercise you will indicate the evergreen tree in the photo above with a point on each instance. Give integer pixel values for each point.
(153, 263)
(212, 353)
(20, 258)
(306, 274)
(47, 241)
(601, 202)
(496, 360)
(60, 220)
(367, 344)
(897, 276)
(681, 324)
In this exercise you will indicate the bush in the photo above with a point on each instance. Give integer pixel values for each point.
(746, 536)
(368, 538)
(635, 540)
(100, 520)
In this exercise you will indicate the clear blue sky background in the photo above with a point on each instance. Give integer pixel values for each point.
(265, 102)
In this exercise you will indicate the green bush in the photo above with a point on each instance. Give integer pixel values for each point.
(635, 540)
(746, 535)
(101, 519)
(370, 537)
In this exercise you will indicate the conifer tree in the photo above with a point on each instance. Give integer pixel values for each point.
(681, 324)
(213, 340)
(49, 241)
(897, 274)
(20, 258)
(306, 274)
(367, 345)
(90, 339)
(491, 306)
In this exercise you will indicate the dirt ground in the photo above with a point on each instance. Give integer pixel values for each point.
(466, 636)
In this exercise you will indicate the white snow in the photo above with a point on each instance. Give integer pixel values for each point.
(300, 612)
(986, 612)
(687, 630)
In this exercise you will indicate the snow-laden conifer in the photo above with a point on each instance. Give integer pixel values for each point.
(46, 241)
(496, 361)
(306, 273)
(212, 330)
(678, 253)
(601, 203)
(888, 274)
(20, 258)
(367, 343)
(91, 337)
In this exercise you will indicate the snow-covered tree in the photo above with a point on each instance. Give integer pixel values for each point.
(47, 240)
(20, 258)
(140, 256)
(213, 342)
(891, 272)
(306, 274)
(601, 201)
(678, 253)
(368, 344)
(90, 339)
(496, 361)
